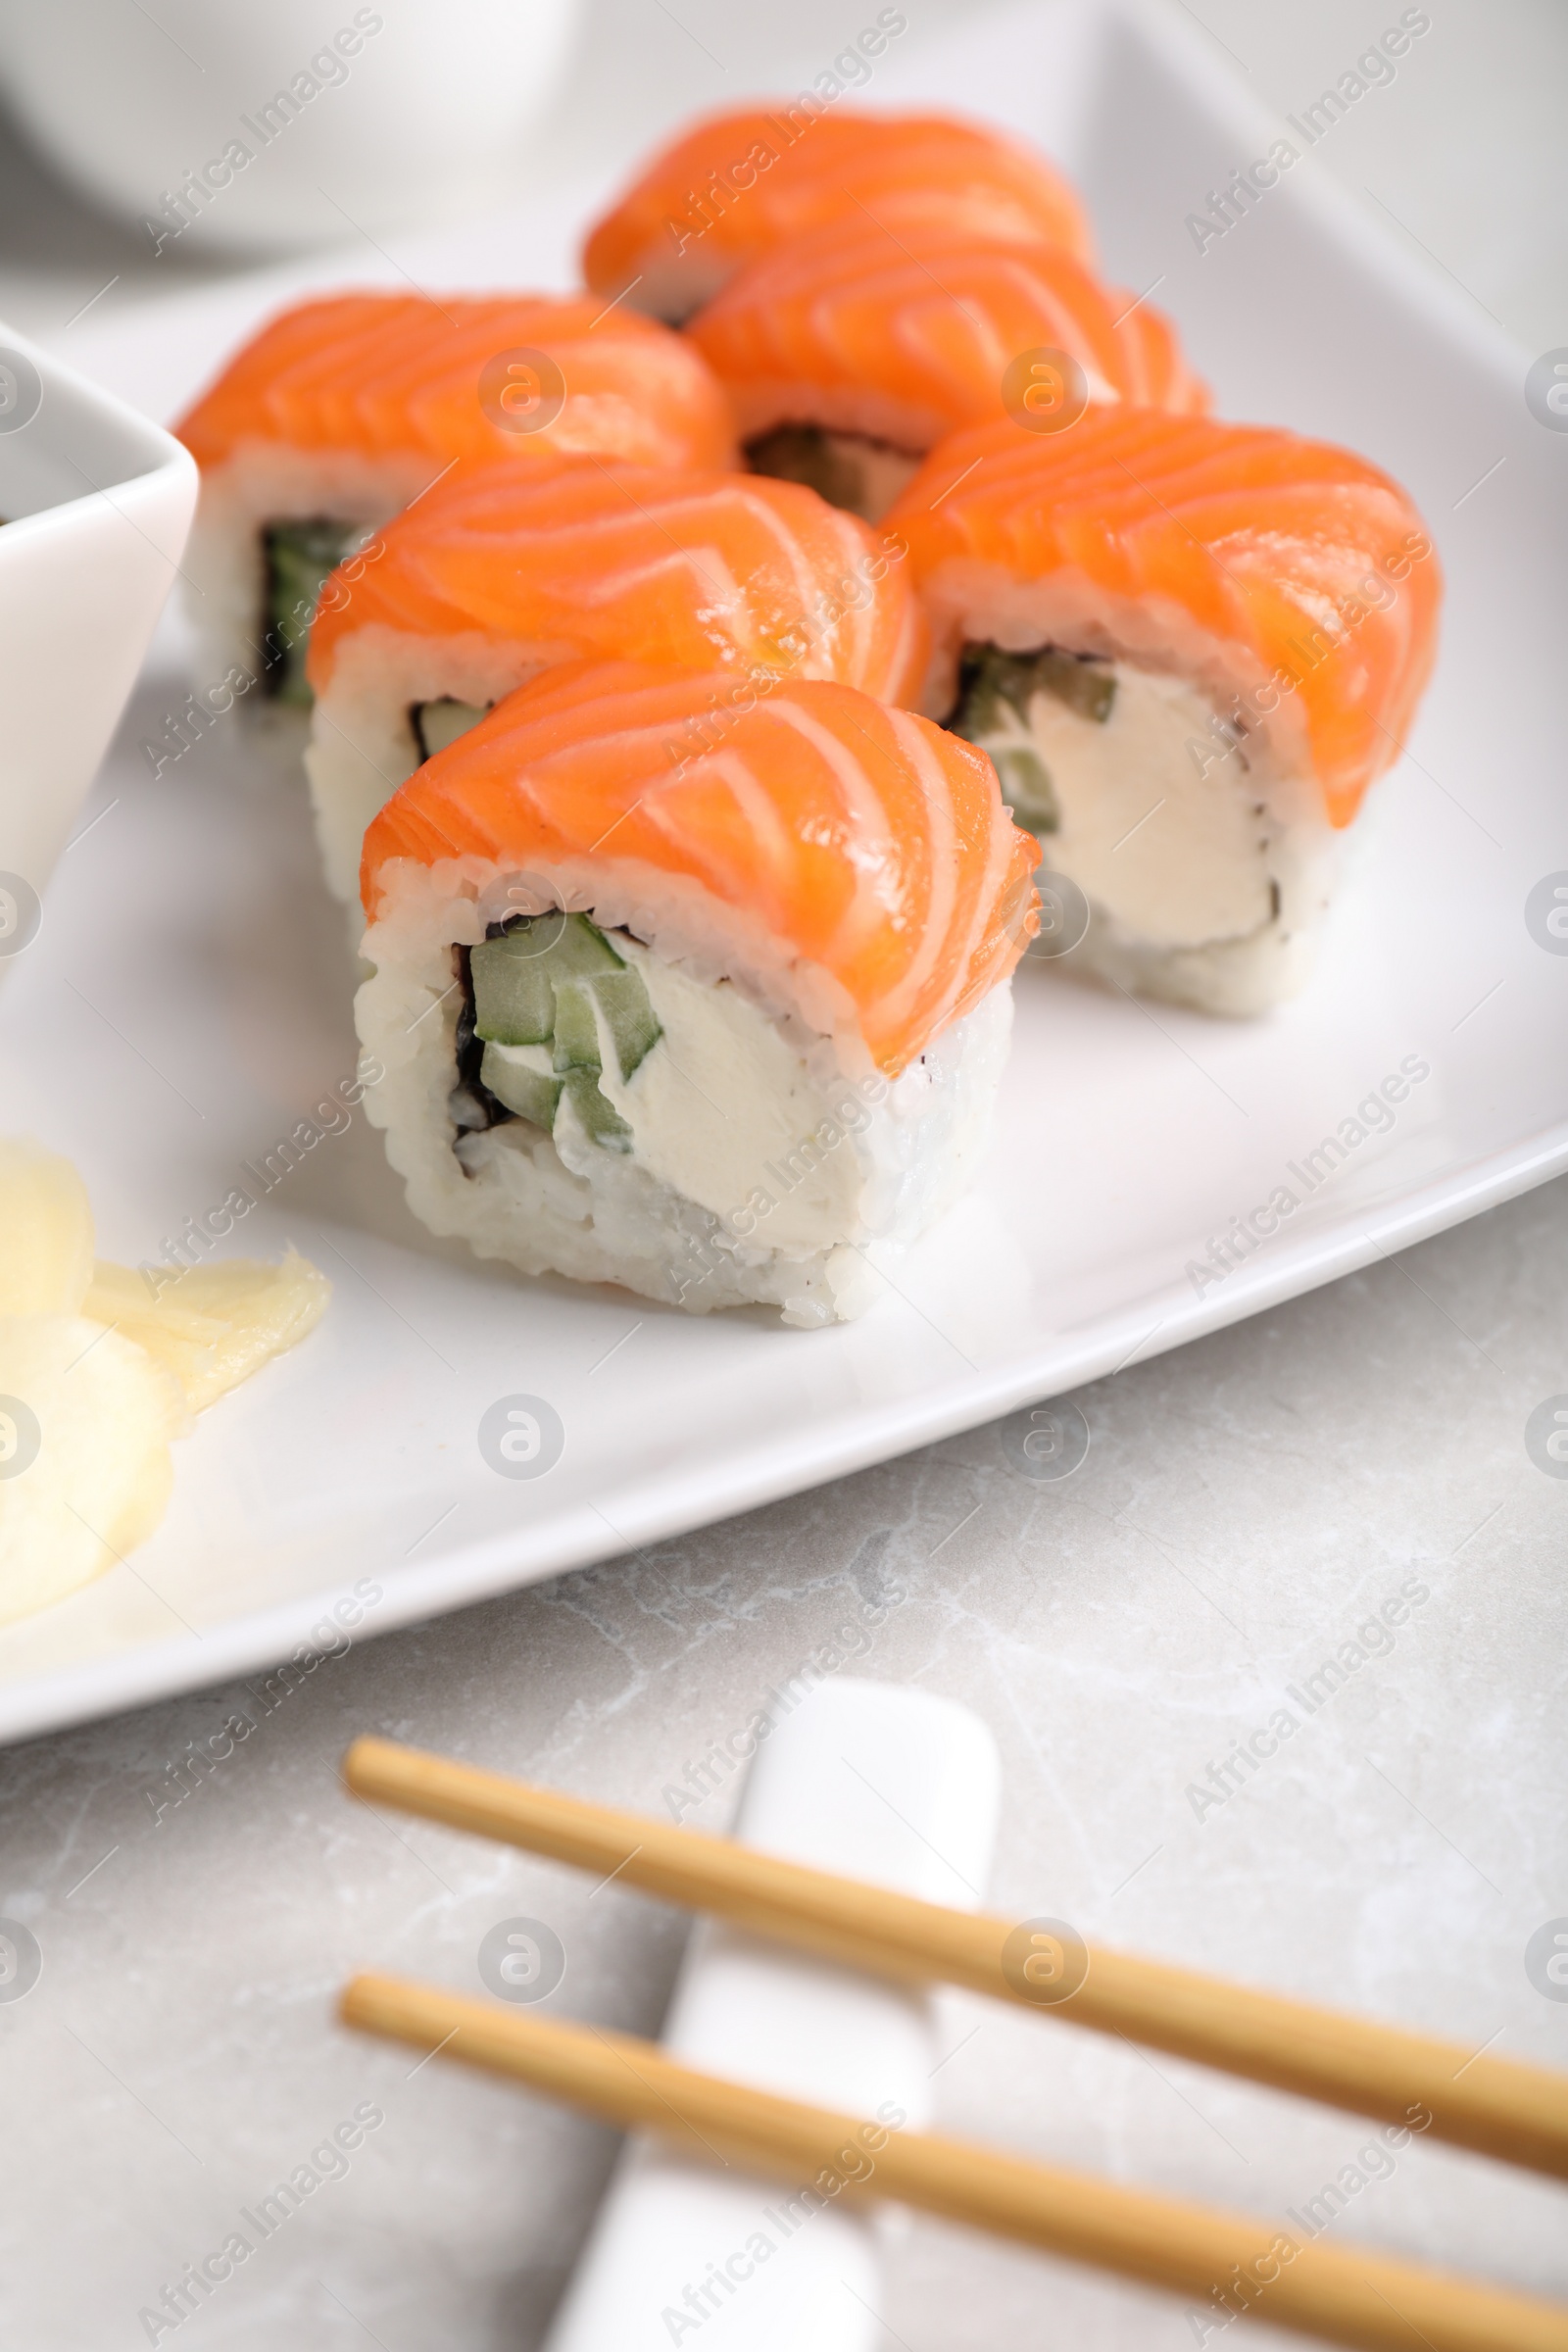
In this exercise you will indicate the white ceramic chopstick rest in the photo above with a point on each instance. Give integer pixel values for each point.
(877, 1783)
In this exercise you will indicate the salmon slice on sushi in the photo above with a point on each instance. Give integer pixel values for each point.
(503, 571)
(340, 412)
(738, 184)
(1190, 647)
(848, 355)
(692, 988)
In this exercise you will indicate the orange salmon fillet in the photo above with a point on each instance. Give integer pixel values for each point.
(1308, 563)
(710, 570)
(381, 375)
(909, 335)
(738, 184)
(868, 842)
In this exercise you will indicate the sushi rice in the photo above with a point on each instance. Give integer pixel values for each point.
(767, 1164)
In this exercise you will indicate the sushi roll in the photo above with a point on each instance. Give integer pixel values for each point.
(1190, 647)
(848, 355)
(692, 988)
(339, 412)
(504, 571)
(739, 184)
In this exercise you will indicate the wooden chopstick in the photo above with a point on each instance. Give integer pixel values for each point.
(1519, 2112)
(1228, 2261)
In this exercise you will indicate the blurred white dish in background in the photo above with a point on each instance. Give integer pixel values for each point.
(219, 126)
(95, 503)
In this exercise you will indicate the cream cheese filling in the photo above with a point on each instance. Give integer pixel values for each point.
(443, 721)
(1148, 812)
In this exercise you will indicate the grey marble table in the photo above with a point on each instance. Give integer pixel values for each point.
(1248, 1506)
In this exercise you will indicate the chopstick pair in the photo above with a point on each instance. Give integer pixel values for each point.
(1518, 2112)
(1234, 2262)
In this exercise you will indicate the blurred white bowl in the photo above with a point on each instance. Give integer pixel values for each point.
(222, 125)
(97, 502)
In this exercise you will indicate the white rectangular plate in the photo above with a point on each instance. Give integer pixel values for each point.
(187, 1002)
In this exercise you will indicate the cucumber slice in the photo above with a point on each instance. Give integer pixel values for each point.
(1088, 687)
(601, 1121)
(539, 989)
(513, 1003)
(985, 675)
(576, 1027)
(633, 1024)
(438, 723)
(515, 975)
(573, 945)
(623, 1000)
(989, 678)
(298, 556)
(534, 1095)
(1026, 787)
